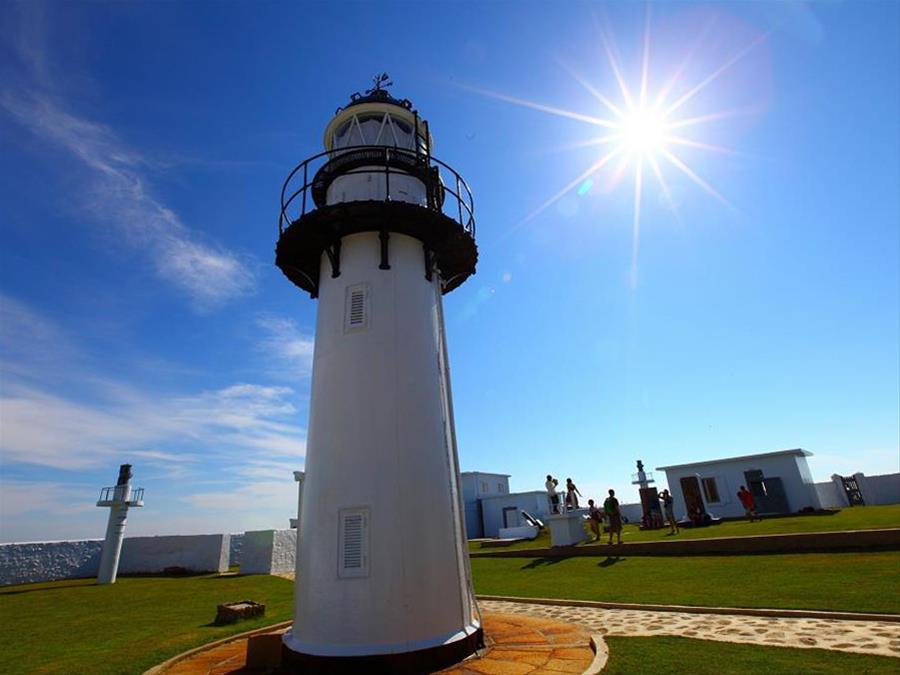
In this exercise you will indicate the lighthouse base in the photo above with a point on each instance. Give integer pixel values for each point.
(419, 661)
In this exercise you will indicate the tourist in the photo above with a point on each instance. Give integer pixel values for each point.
(572, 494)
(611, 509)
(749, 504)
(596, 517)
(669, 511)
(551, 493)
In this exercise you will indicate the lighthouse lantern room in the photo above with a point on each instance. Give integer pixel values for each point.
(378, 229)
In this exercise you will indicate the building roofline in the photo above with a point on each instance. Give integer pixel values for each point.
(796, 451)
(483, 473)
(513, 494)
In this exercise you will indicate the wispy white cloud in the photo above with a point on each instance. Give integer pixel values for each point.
(290, 350)
(250, 497)
(245, 419)
(115, 193)
(109, 419)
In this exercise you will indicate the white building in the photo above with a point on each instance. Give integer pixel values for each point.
(490, 506)
(476, 486)
(780, 481)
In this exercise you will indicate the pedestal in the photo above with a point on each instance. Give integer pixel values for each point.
(566, 529)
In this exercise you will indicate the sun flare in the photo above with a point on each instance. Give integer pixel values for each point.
(642, 132)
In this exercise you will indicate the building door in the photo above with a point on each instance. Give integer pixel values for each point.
(510, 516)
(776, 499)
(768, 493)
(693, 500)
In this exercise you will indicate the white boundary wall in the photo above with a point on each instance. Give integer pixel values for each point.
(875, 490)
(49, 561)
(54, 560)
(269, 552)
(195, 553)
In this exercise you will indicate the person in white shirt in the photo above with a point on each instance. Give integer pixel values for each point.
(551, 494)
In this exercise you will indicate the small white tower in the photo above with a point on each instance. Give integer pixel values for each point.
(118, 499)
(378, 230)
(642, 479)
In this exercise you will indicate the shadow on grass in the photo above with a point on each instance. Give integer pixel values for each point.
(610, 561)
(537, 562)
(18, 590)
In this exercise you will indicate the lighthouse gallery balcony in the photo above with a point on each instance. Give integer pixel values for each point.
(402, 190)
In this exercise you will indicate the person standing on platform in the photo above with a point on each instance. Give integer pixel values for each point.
(572, 494)
(551, 494)
(611, 508)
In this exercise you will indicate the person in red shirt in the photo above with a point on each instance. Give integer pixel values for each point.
(746, 498)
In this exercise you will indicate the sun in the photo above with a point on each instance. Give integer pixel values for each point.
(643, 133)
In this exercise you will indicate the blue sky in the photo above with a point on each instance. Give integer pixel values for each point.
(143, 149)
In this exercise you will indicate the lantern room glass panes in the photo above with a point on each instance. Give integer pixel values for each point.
(376, 129)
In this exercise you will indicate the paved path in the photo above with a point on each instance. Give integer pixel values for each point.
(865, 637)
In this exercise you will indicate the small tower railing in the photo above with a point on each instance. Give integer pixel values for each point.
(648, 477)
(306, 186)
(113, 495)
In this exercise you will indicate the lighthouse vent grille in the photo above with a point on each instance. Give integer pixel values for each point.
(356, 315)
(353, 556)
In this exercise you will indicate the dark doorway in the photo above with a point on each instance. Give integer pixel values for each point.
(693, 500)
(768, 493)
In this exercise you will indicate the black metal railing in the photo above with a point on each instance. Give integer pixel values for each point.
(306, 186)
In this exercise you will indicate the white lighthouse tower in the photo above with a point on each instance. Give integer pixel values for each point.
(378, 230)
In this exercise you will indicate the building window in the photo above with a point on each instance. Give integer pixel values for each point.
(484, 487)
(710, 491)
(499, 487)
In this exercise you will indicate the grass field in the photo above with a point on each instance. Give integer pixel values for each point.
(857, 518)
(79, 627)
(862, 582)
(664, 655)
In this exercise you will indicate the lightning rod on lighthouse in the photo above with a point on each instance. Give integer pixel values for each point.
(378, 229)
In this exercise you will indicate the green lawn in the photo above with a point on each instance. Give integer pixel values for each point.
(127, 627)
(863, 582)
(664, 655)
(857, 518)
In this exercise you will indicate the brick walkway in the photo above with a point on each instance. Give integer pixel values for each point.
(865, 637)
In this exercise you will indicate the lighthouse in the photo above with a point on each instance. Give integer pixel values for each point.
(378, 230)
(118, 499)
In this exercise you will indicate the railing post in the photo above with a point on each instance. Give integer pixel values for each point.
(459, 200)
(305, 165)
(387, 174)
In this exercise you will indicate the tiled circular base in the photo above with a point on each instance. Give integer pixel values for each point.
(515, 645)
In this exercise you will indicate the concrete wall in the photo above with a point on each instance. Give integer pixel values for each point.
(632, 513)
(269, 552)
(49, 561)
(830, 495)
(883, 489)
(196, 553)
(54, 560)
(492, 509)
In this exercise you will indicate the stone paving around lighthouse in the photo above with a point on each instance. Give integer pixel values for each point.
(881, 638)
